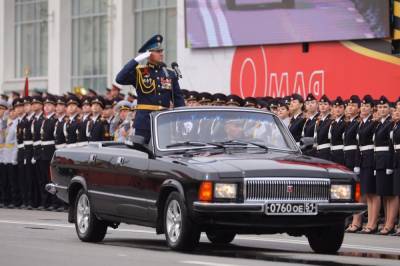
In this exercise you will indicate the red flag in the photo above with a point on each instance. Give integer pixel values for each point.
(26, 88)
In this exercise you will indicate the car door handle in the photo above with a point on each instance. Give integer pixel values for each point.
(120, 160)
(92, 158)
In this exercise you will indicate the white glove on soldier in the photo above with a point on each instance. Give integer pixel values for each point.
(374, 172)
(143, 56)
(389, 171)
(357, 170)
(33, 161)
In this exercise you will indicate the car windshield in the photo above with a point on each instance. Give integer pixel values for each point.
(194, 129)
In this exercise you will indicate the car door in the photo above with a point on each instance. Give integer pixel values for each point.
(131, 183)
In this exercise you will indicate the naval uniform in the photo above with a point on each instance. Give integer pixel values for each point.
(309, 131)
(296, 127)
(32, 188)
(383, 157)
(322, 137)
(350, 142)
(83, 136)
(365, 161)
(59, 136)
(71, 130)
(338, 127)
(98, 129)
(156, 89)
(396, 160)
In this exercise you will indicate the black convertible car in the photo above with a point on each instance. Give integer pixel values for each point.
(223, 171)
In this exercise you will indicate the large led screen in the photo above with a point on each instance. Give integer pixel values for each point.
(221, 23)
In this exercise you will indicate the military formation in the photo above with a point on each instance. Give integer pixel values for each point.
(33, 127)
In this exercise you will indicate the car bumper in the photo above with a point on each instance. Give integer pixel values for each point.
(206, 207)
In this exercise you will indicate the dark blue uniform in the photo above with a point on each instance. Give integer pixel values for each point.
(155, 88)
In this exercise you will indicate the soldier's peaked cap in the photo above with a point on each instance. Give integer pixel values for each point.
(154, 43)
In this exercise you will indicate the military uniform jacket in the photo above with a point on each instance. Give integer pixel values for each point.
(309, 126)
(71, 129)
(47, 138)
(383, 159)
(396, 143)
(28, 137)
(296, 127)
(59, 132)
(153, 87)
(82, 131)
(99, 129)
(37, 125)
(20, 139)
(365, 135)
(322, 130)
(351, 144)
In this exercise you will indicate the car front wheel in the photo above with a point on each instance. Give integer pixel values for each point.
(326, 240)
(180, 231)
(88, 227)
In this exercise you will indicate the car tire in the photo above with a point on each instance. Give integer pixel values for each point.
(326, 240)
(180, 231)
(217, 237)
(87, 226)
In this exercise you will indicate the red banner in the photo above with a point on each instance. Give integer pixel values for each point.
(335, 68)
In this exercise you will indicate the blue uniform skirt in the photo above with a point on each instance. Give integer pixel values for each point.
(384, 183)
(367, 181)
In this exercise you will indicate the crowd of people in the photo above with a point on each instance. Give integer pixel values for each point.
(361, 134)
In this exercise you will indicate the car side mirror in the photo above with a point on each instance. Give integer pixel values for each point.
(306, 143)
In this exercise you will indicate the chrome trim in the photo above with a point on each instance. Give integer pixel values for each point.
(237, 109)
(258, 188)
(121, 196)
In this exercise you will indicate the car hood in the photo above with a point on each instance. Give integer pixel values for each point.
(271, 164)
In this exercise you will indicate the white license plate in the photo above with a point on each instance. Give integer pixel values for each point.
(292, 208)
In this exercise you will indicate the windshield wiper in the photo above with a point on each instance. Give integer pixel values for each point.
(194, 144)
(241, 142)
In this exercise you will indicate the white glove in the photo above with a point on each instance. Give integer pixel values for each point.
(24, 161)
(374, 172)
(142, 56)
(357, 170)
(389, 171)
(33, 161)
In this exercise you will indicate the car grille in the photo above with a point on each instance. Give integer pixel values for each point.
(286, 189)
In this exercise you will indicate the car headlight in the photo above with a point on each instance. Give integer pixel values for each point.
(225, 191)
(341, 192)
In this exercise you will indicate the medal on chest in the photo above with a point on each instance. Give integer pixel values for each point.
(166, 83)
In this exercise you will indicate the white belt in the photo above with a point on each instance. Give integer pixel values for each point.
(20, 146)
(60, 146)
(323, 146)
(28, 142)
(36, 143)
(337, 147)
(350, 147)
(48, 142)
(385, 148)
(367, 147)
(397, 147)
(71, 145)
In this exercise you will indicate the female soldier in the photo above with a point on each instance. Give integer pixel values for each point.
(396, 160)
(384, 165)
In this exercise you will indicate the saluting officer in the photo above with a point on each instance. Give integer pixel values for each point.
(297, 120)
(322, 129)
(156, 86)
(350, 134)
(98, 128)
(59, 135)
(72, 125)
(84, 120)
(336, 131)
(47, 149)
(384, 164)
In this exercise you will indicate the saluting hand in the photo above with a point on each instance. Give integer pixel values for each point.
(143, 56)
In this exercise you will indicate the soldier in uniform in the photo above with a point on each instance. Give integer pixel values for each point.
(21, 156)
(205, 99)
(336, 131)
(124, 126)
(219, 99)
(192, 98)
(283, 112)
(384, 165)
(4, 190)
(234, 100)
(156, 86)
(395, 135)
(312, 115)
(59, 136)
(98, 128)
(72, 124)
(322, 129)
(84, 120)
(250, 102)
(350, 134)
(297, 120)
(28, 170)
